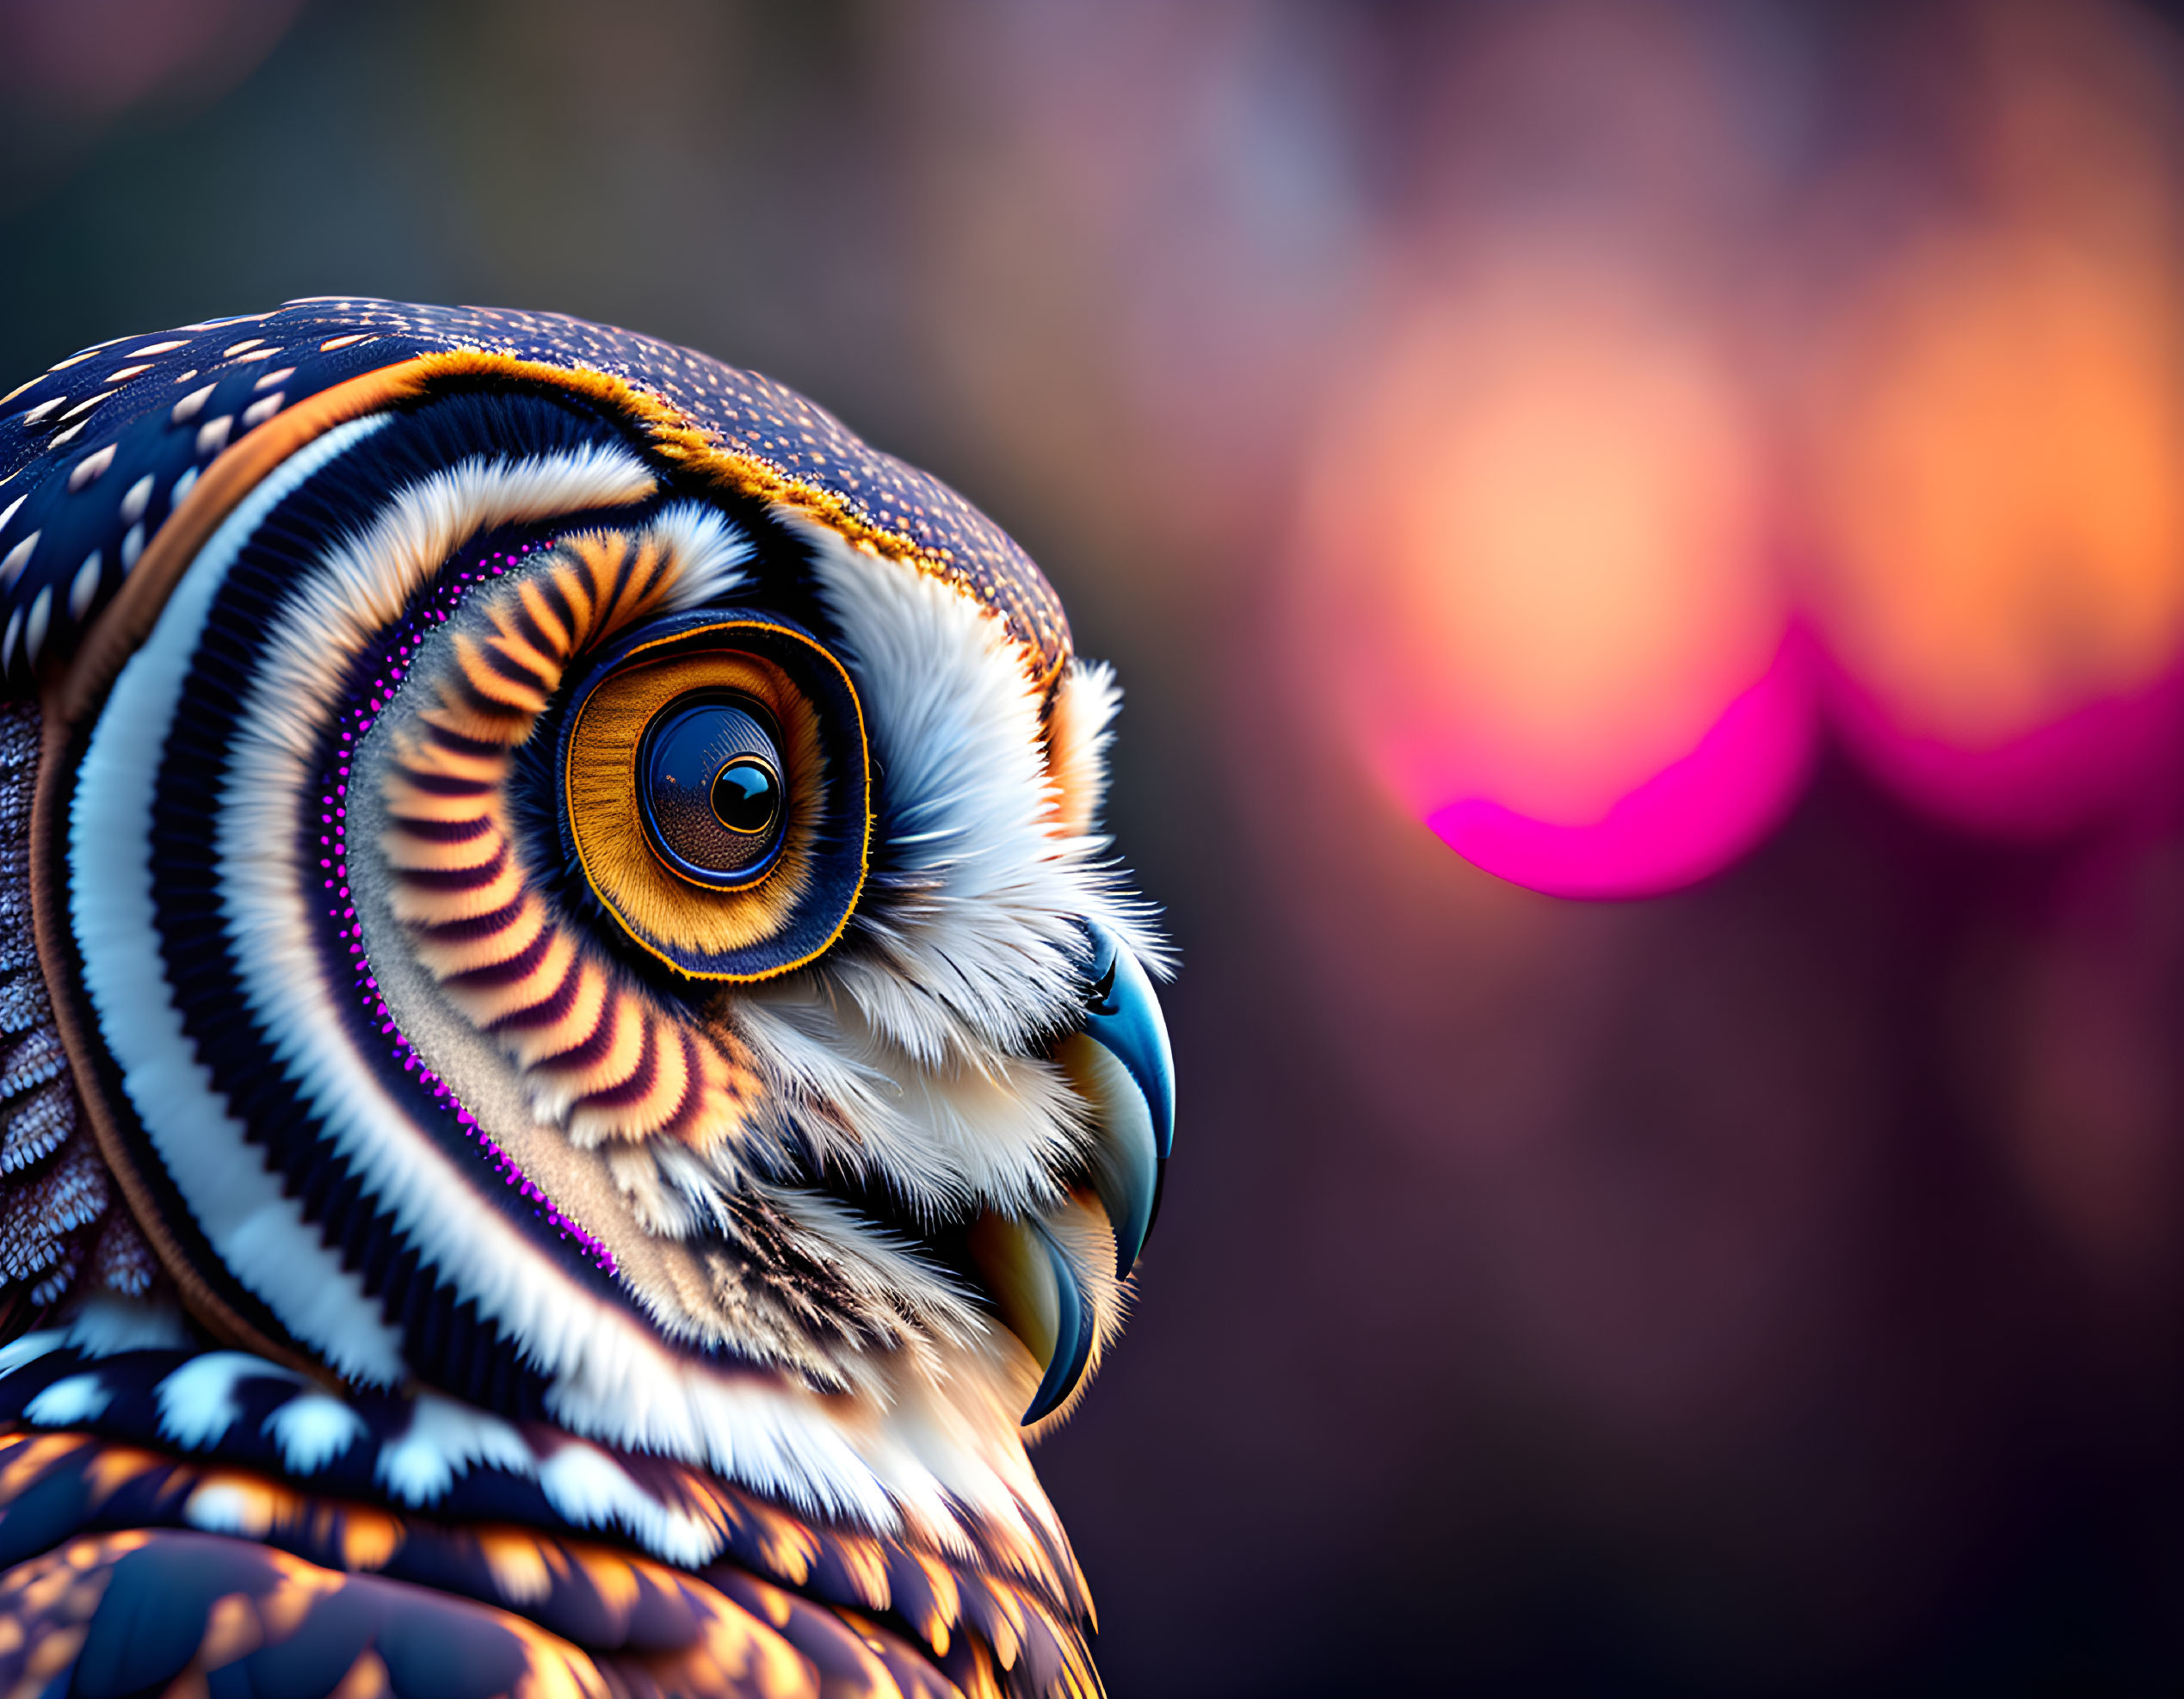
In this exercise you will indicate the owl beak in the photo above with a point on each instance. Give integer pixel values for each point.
(1119, 1062)
(1041, 1301)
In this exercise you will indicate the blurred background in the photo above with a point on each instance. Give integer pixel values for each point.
(1646, 542)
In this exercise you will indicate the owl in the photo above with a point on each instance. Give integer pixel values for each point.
(576, 1077)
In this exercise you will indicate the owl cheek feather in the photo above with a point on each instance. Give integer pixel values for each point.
(440, 1056)
(1080, 720)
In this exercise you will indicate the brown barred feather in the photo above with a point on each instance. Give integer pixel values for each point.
(611, 1054)
(41, 1214)
(33, 1060)
(680, 1120)
(462, 953)
(34, 1128)
(479, 875)
(469, 844)
(23, 994)
(655, 1088)
(54, 1188)
(121, 1260)
(570, 997)
(624, 1068)
(802, 1608)
(549, 628)
(111, 1606)
(457, 756)
(595, 1045)
(413, 803)
(423, 899)
(497, 681)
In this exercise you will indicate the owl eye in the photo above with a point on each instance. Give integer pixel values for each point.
(746, 796)
(709, 782)
(715, 794)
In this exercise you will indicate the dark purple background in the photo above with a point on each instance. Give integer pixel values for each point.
(1774, 1287)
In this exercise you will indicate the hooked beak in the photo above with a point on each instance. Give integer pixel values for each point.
(1119, 1062)
(1040, 1302)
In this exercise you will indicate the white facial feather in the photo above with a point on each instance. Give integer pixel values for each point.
(365, 580)
(913, 1058)
(944, 1135)
(976, 929)
(884, 1271)
(1080, 728)
(608, 1376)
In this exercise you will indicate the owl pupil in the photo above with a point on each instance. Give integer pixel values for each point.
(745, 795)
(709, 790)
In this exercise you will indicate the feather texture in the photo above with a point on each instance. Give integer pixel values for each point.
(462, 1239)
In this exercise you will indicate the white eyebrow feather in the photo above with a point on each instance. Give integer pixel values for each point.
(981, 939)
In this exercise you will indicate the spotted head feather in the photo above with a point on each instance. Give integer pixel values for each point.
(575, 994)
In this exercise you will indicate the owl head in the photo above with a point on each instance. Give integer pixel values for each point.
(571, 885)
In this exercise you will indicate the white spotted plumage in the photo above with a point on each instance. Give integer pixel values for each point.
(475, 1179)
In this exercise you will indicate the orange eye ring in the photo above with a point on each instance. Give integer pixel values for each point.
(734, 918)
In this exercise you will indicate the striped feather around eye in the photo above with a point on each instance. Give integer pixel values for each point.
(315, 1180)
(444, 1035)
(612, 1061)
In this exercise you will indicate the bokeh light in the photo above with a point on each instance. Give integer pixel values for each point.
(1539, 532)
(1925, 403)
(1997, 430)
(1717, 457)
